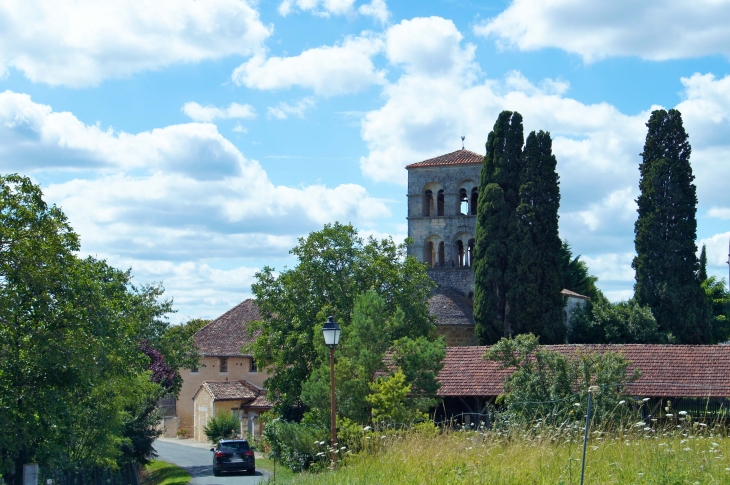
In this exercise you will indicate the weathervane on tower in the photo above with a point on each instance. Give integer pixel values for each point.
(462, 144)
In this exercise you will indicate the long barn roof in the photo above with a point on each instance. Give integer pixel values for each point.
(666, 370)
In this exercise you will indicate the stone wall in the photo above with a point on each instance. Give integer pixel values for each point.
(460, 279)
(457, 335)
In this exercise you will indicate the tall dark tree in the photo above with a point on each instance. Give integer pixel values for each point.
(496, 229)
(666, 262)
(702, 274)
(536, 301)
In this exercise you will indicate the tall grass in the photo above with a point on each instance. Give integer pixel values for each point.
(685, 453)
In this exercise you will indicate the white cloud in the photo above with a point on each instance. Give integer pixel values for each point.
(651, 29)
(283, 110)
(376, 9)
(84, 42)
(719, 212)
(322, 8)
(327, 70)
(210, 113)
(619, 206)
(182, 192)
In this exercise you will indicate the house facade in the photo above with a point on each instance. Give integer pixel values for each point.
(220, 344)
(241, 398)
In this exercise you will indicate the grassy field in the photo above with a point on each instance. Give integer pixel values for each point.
(633, 456)
(163, 473)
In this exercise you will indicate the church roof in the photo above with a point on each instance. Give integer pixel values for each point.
(451, 308)
(459, 157)
(224, 336)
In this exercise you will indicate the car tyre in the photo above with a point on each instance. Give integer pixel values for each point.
(216, 473)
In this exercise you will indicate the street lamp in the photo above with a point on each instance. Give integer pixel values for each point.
(331, 332)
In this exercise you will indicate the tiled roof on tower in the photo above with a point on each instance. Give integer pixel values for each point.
(459, 157)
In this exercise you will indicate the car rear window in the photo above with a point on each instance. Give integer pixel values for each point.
(235, 445)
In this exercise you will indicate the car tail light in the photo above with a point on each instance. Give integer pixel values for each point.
(248, 453)
(220, 454)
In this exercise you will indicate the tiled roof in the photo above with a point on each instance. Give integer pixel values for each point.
(238, 390)
(573, 294)
(229, 390)
(666, 370)
(451, 308)
(224, 336)
(459, 157)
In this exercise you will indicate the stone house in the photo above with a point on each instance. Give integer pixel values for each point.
(241, 398)
(220, 345)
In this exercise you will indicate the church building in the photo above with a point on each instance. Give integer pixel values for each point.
(442, 207)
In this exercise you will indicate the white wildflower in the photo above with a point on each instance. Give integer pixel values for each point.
(683, 413)
(644, 400)
(621, 402)
(670, 415)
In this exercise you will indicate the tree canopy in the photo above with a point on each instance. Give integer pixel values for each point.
(335, 266)
(75, 380)
(517, 258)
(666, 261)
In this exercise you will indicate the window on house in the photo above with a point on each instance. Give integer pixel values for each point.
(194, 370)
(224, 365)
(440, 203)
(253, 367)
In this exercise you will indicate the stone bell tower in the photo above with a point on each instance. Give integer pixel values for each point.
(442, 206)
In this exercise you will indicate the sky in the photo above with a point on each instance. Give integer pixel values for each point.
(194, 142)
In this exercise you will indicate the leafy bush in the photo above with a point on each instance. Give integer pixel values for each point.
(553, 387)
(221, 427)
(296, 446)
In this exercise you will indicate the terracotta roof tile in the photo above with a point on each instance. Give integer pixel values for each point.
(224, 336)
(451, 308)
(459, 157)
(666, 370)
(238, 390)
(229, 390)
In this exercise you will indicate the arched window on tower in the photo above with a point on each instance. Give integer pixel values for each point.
(440, 203)
(428, 254)
(470, 255)
(463, 202)
(474, 199)
(442, 254)
(460, 252)
(428, 204)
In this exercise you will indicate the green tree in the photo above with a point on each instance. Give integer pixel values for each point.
(367, 345)
(73, 378)
(576, 276)
(719, 298)
(666, 255)
(545, 384)
(389, 400)
(702, 274)
(334, 266)
(602, 322)
(535, 295)
(496, 229)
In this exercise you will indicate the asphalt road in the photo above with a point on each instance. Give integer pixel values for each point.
(198, 462)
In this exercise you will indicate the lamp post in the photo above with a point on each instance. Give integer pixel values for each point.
(331, 332)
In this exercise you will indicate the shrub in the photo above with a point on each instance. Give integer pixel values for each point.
(296, 446)
(221, 427)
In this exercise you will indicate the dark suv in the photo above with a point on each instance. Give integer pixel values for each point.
(233, 456)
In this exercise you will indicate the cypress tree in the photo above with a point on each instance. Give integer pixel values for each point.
(534, 296)
(496, 228)
(702, 275)
(666, 255)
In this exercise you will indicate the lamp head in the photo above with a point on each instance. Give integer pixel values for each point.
(331, 332)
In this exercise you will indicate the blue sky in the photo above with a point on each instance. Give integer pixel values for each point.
(196, 141)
